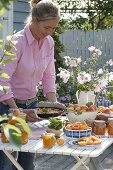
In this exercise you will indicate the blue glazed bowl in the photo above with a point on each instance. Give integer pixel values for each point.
(76, 134)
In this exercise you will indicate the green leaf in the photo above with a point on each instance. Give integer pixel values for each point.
(1, 11)
(8, 47)
(13, 134)
(55, 123)
(4, 62)
(6, 127)
(5, 89)
(14, 42)
(1, 26)
(79, 112)
(23, 124)
(15, 137)
(2, 40)
(4, 75)
(1, 46)
(3, 118)
(89, 104)
(6, 53)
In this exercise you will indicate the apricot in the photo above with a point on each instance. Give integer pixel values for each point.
(97, 142)
(57, 133)
(49, 131)
(107, 111)
(84, 108)
(16, 112)
(90, 142)
(60, 141)
(82, 143)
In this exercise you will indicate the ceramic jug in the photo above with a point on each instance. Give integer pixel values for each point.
(84, 97)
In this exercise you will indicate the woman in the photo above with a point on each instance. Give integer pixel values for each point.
(34, 63)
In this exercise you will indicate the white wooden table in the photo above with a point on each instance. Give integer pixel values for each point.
(81, 154)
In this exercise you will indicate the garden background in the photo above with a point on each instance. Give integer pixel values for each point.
(83, 24)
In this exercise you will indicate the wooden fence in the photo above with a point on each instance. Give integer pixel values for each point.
(76, 43)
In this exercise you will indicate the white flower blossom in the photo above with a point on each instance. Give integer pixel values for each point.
(67, 60)
(92, 48)
(100, 71)
(110, 62)
(74, 62)
(65, 75)
(87, 77)
(95, 50)
(111, 77)
(83, 77)
(1, 88)
(98, 52)
(101, 84)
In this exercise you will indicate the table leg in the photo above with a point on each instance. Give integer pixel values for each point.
(12, 159)
(80, 162)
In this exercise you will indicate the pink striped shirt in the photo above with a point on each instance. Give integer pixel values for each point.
(34, 63)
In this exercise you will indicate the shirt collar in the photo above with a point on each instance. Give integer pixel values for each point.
(29, 35)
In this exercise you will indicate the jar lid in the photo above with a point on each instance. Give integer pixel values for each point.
(48, 134)
(110, 119)
(99, 121)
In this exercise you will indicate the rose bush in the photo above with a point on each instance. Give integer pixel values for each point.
(84, 75)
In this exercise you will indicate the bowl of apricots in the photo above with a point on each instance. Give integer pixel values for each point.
(78, 130)
(76, 112)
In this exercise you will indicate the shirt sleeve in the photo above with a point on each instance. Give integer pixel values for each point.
(9, 69)
(49, 76)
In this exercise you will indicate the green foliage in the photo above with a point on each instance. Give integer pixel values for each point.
(55, 123)
(5, 4)
(109, 96)
(99, 13)
(4, 75)
(59, 47)
(6, 51)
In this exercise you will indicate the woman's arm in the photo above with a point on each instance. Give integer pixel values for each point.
(10, 102)
(51, 96)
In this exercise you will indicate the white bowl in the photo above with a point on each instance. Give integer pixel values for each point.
(76, 134)
(74, 117)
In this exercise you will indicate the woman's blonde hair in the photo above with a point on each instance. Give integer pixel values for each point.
(43, 10)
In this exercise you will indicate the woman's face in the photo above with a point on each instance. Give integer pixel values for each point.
(43, 28)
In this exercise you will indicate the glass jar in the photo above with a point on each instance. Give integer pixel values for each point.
(90, 123)
(3, 137)
(110, 126)
(48, 140)
(24, 134)
(99, 127)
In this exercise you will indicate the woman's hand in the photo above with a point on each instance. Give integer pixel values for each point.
(31, 115)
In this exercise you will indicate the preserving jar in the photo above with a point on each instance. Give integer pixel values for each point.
(24, 134)
(99, 127)
(48, 140)
(110, 126)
